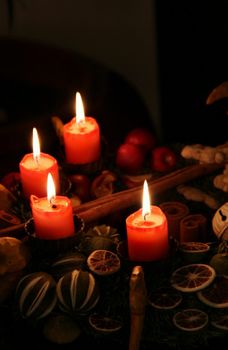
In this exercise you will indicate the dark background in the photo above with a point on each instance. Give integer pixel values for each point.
(193, 60)
(37, 82)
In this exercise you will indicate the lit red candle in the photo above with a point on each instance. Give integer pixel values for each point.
(147, 232)
(52, 215)
(81, 137)
(34, 169)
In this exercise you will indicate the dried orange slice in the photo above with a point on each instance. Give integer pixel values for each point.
(165, 298)
(216, 295)
(193, 252)
(220, 321)
(103, 262)
(193, 277)
(104, 324)
(194, 247)
(190, 319)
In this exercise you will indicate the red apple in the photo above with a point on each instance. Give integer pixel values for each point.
(141, 137)
(81, 186)
(130, 158)
(163, 159)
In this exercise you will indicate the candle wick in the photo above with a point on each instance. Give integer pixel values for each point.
(145, 215)
(54, 206)
(37, 161)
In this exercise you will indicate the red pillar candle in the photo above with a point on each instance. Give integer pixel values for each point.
(52, 215)
(81, 137)
(34, 169)
(147, 232)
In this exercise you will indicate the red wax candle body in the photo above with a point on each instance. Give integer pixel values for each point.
(34, 174)
(52, 220)
(147, 239)
(82, 141)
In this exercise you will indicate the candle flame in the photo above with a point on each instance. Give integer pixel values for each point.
(146, 208)
(80, 114)
(50, 188)
(36, 145)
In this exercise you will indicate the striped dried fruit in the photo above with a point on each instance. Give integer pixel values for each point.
(35, 295)
(77, 292)
(67, 263)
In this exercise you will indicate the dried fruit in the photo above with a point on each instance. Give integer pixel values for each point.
(216, 295)
(77, 292)
(190, 320)
(103, 184)
(103, 262)
(165, 298)
(61, 329)
(35, 295)
(193, 277)
(220, 263)
(193, 252)
(104, 324)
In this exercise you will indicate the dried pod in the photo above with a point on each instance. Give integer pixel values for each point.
(102, 185)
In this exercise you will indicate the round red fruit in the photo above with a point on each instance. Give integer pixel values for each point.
(141, 137)
(81, 186)
(130, 158)
(163, 159)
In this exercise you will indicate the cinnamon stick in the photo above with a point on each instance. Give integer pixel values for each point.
(103, 206)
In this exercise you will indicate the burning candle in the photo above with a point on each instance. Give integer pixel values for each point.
(52, 215)
(34, 169)
(147, 232)
(81, 137)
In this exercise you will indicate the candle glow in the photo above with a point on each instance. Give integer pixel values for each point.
(147, 232)
(34, 169)
(81, 137)
(53, 215)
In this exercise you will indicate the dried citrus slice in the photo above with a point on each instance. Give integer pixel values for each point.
(220, 321)
(193, 252)
(193, 277)
(165, 298)
(194, 247)
(190, 320)
(216, 295)
(103, 262)
(104, 324)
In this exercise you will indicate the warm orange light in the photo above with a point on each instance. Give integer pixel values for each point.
(36, 145)
(146, 208)
(80, 114)
(50, 188)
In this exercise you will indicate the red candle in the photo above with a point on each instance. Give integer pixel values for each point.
(34, 169)
(52, 215)
(81, 137)
(147, 232)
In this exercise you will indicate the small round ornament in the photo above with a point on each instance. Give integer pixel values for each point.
(220, 222)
